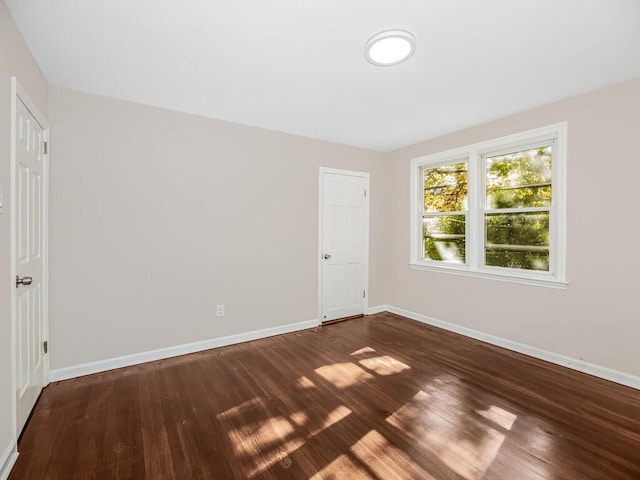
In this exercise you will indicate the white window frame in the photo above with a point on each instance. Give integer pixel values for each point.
(475, 230)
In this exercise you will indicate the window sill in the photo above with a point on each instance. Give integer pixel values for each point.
(501, 277)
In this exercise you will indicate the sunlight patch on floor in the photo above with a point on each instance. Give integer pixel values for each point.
(304, 382)
(343, 375)
(384, 365)
(466, 444)
(264, 433)
(238, 409)
(334, 417)
(499, 416)
(263, 460)
(299, 418)
(362, 351)
(412, 409)
(260, 439)
(540, 442)
(385, 460)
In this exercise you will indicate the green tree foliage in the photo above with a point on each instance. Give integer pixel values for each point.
(518, 240)
(444, 237)
(445, 190)
(519, 180)
(513, 239)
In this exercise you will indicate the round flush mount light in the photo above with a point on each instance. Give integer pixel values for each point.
(389, 48)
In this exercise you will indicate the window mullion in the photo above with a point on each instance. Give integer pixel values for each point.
(474, 234)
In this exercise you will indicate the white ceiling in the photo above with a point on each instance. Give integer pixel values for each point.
(298, 65)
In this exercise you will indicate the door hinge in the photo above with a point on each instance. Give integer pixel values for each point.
(45, 148)
(45, 347)
(364, 294)
(365, 193)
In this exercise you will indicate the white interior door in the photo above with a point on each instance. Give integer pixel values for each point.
(344, 240)
(29, 246)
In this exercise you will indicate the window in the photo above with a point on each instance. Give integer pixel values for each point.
(444, 219)
(493, 209)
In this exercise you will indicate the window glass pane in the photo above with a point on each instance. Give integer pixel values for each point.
(518, 240)
(445, 188)
(444, 238)
(520, 179)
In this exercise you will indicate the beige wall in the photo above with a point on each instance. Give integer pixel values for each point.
(157, 216)
(597, 318)
(15, 60)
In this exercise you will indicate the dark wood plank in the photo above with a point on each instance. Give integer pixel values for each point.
(381, 397)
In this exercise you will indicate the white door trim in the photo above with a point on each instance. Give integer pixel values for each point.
(18, 93)
(366, 177)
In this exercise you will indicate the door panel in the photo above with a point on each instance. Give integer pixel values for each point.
(36, 216)
(344, 239)
(29, 262)
(35, 337)
(22, 212)
(23, 317)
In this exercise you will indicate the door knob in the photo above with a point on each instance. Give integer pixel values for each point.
(23, 281)
(326, 256)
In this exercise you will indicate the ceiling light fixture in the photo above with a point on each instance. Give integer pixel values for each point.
(389, 48)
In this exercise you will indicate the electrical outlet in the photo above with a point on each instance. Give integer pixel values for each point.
(219, 311)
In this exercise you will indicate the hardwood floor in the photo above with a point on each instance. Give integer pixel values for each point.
(381, 397)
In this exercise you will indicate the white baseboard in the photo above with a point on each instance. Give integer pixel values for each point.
(128, 360)
(162, 353)
(573, 363)
(377, 309)
(8, 460)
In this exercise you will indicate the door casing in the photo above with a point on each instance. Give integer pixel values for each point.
(365, 261)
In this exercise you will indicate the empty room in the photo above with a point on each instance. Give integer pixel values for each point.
(319, 240)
